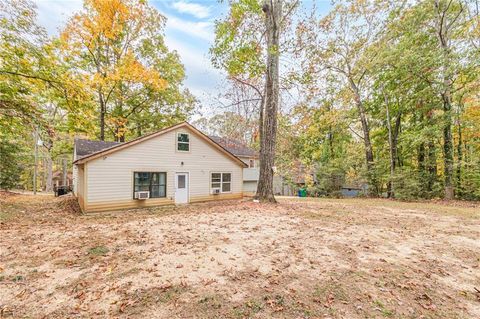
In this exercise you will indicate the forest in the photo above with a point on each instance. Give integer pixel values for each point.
(378, 93)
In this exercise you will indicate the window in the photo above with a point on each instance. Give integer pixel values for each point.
(155, 183)
(226, 182)
(251, 163)
(216, 180)
(181, 181)
(222, 181)
(183, 142)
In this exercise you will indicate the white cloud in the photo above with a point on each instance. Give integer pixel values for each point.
(203, 30)
(202, 77)
(53, 14)
(197, 10)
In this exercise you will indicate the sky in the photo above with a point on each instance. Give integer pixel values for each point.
(189, 31)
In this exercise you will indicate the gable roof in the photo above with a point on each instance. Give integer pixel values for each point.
(85, 147)
(235, 147)
(120, 146)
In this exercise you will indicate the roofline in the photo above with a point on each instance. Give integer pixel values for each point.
(121, 146)
(256, 156)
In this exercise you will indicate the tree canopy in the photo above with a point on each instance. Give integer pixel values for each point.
(381, 95)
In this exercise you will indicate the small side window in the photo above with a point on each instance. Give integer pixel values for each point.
(252, 163)
(183, 142)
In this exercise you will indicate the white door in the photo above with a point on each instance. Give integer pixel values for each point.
(181, 188)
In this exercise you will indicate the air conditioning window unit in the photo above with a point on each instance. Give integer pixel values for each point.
(215, 191)
(142, 195)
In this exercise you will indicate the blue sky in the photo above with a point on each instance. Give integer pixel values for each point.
(189, 30)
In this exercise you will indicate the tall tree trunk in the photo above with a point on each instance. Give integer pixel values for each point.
(49, 184)
(273, 11)
(44, 174)
(366, 138)
(64, 172)
(459, 156)
(120, 127)
(102, 114)
(390, 187)
(431, 166)
(421, 161)
(443, 28)
(139, 130)
(448, 146)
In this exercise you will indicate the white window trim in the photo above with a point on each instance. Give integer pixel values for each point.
(177, 142)
(221, 181)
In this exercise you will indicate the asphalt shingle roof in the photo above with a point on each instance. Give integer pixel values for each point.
(235, 147)
(86, 147)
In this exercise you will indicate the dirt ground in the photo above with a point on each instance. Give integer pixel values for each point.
(314, 258)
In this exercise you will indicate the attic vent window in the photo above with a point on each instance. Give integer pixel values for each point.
(183, 142)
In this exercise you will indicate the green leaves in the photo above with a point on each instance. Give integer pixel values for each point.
(239, 47)
(118, 50)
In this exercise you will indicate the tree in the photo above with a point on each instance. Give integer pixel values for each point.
(241, 50)
(22, 68)
(118, 48)
(268, 129)
(10, 160)
(447, 15)
(342, 43)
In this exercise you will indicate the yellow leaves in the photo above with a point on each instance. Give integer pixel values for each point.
(103, 31)
(103, 20)
(120, 124)
(109, 17)
(131, 70)
(472, 118)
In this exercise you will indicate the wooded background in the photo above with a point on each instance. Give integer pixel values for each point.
(377, 93)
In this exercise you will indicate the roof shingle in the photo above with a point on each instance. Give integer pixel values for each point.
(86, 147)
(235, 147)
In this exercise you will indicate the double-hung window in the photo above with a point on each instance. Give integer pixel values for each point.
(223, 181)
(183, 142)
(153, 182)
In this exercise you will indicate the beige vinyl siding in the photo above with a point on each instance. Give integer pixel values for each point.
(246, 160)
(75, 179)
(74, 172)
(80, 185)
(250, 187)
(110, 178)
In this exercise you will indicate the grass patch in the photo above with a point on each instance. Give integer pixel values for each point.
(383, 309)
(8, 211)
(98, 251)
(248, 309)
(331, 288)
(18, 278)
(146, 298)
(171, 294)
(456, 208)
(214, 302)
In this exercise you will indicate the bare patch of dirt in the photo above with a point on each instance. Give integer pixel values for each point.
(239, 259)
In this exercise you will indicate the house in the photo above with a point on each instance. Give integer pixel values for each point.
(249, 156)
(281, 184)
(57, 179)
(354, 190)
(176, 165)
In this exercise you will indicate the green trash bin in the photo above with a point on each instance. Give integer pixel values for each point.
(302, 192)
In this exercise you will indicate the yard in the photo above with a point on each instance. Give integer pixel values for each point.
(314, 258)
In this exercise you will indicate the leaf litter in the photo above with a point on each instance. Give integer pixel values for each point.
(240, 259)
